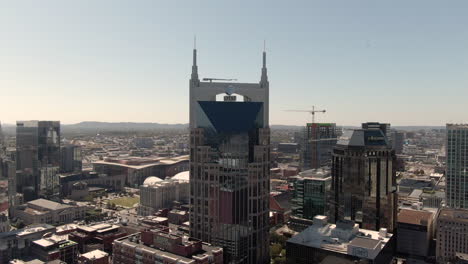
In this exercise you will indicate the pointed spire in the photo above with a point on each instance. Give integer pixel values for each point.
(264, 78)
(194, 76)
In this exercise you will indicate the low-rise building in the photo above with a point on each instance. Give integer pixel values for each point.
(158, 245)
(156, 194)
(96, 236)
(68, 181)
(177, 217)
(137, 169)
(49, 212)
(94, 257)
(452, 234)
(55, 247)
(345, 241)
(17, 243)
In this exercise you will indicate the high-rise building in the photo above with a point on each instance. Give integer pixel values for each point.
(397, 139)
(311, 190)
(71, 160)
(2, 143)
(38, 158)
(452, 234)
(230, 165)
(317, 146)
(364, 179)
(457, 166)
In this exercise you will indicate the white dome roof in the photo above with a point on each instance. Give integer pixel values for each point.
(183, 176)
(151, 180)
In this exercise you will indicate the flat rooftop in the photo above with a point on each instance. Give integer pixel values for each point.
(415, 217)
(141, 163)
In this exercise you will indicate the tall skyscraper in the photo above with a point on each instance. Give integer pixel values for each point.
(317, 146)
(364, 179)
(37, 158)
(230, 165)
(457, 166)
(71, 160)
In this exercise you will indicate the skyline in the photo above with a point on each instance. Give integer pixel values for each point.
(83, 61)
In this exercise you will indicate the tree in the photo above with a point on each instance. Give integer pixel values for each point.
(275, 250)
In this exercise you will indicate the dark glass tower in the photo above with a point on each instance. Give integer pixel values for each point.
(364, 179)
(457, 166)
(230, 166)
(38, 158)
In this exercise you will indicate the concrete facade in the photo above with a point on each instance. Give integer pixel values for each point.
(452, 234)
(49, 212)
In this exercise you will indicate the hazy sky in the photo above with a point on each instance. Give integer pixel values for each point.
(403, 62)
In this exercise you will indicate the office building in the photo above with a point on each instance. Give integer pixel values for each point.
(311, 191)
(49, 212)
(37, 158)
(457, 166)
(397, 139)
(317, 146)
(414, 233)
(158, 245)
(71, 160)
(17, 243)
(157, 194)
(137, 169)
(343, 243)
(364, 179)
(452, 234)
(230, 166)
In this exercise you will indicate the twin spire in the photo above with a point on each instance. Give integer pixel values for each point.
(194, 77)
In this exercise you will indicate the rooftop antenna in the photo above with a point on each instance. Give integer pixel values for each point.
(195, 42)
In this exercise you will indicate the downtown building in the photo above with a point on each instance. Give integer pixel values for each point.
(457, 166)
(451, 234)
(37, 158)
(364, 179)
(317, 146)
(311, 191)
(230, 166)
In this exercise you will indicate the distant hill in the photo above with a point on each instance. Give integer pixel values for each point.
(96, 127)
(119, 126)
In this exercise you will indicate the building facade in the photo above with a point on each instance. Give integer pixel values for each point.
(364, 179)
(71, 159)
(158, 245)
(230, 166)
(37, 158)
(157, 194)
(317, 146)
(17, 243)
(414, 233)
(137, 169)
(457, 166)
(311, 190)
(49, 212)
(452, 234)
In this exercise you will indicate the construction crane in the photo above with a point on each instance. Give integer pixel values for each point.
(217, 79)
(313, 111)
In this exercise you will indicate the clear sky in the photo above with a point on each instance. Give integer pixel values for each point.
(403, 62)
